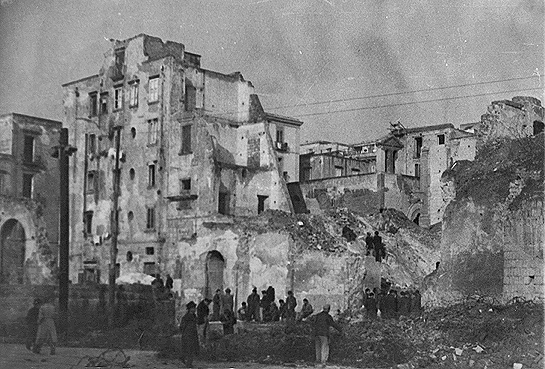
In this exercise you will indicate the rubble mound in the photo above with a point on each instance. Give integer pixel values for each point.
(489, 179)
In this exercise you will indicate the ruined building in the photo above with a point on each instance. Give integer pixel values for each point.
(29, 199)
(493, 236)
(402, 170)
(197, 155)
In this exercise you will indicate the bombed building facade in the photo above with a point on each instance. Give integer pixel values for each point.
(195, 152)
(29, 199)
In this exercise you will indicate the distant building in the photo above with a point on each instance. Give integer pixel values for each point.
(197, 150)
(29, 199)
(401, 170)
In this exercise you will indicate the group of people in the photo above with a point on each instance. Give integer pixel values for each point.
(195, 323)
(41, 326)
(375, 246)
(390, 305)
(162, 290)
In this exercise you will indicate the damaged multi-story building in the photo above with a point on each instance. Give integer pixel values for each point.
(401, 170)
(29, 199)
(196, 153)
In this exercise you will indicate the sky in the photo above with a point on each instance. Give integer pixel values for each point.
(346, 68)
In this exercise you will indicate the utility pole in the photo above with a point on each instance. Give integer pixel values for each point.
(115, 229)
(62, 152)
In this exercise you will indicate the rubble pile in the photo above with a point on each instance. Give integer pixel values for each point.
(472, 334)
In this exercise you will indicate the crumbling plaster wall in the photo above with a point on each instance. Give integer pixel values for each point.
(40, 259)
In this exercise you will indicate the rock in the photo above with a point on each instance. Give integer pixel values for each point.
(517, 366)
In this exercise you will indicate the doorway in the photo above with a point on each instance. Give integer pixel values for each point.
(215, 264)
(12, 252)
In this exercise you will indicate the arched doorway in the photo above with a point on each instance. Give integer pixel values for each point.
(12, 252)
(215, 264)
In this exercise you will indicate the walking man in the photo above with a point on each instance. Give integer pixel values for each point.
(46, 327)
(32, 324)
(322, 322)
(203, 312)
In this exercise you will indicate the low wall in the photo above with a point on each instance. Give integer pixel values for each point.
(87, 305)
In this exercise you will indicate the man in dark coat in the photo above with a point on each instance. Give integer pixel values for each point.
(369, 243)
(377, 244)
(291, 303)
(190, 337)
(322, 321)
(282, 310)
(390, 305)
(264, 305)
(371, 306)
(253, 305)
(227, 300)
(216, 306)
(203, 312)
(32, 324)
(271, 294)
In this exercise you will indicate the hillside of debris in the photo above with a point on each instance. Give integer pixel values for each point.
(412, 251)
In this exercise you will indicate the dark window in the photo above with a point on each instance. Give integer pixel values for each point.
(133, 132)
(131, 173)
(186, 184)
(538, 127)
(441, 139)
(261, 203)
(88, 223)
(91, 182)
(190, 96)
(149, 269)
(150, 219)
(186, 139)
(104, 103)
(27, 185)
(91, 143)
(279, 134)
(29, 149)
(418, 147)
(119, 61)
(223, 203)
(150, 250)
(93, 103)
(417, 170)
(151, 175)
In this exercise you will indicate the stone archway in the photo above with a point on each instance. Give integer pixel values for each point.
(12, 252)
(214, 267)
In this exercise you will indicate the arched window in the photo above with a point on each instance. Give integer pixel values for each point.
(215, 265)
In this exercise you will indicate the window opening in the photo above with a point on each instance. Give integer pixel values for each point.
(27, 185)
(153, 89)
(261, 203)
(186, 139)
(150, 219)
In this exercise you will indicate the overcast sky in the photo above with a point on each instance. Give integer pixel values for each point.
(331, 54)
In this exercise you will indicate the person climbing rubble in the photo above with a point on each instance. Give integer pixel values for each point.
(378, 247)
(306, 310)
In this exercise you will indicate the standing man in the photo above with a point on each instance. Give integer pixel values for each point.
(46, 327)
(216, 306)
(322, 322)
(253, 305)
(291, 303)
(190, 337)
(203, 312)
(227, 300)
(32, 324)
